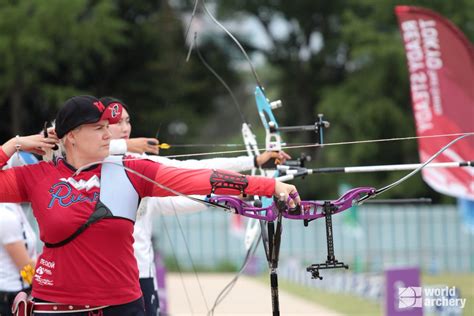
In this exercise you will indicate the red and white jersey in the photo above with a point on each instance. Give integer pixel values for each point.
(98, 267)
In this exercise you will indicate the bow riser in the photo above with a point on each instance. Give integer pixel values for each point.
(308, 210)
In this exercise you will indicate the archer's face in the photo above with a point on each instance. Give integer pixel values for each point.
(91, 141)
(123, 128)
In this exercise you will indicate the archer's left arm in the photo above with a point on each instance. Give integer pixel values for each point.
(198, 181)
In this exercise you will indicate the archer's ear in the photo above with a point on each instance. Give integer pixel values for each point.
(70, 138)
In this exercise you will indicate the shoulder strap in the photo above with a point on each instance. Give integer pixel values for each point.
(101, 211)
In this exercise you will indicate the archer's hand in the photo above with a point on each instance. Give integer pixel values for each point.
(36, 144)
(143, 145)
(279, 156)
(289, 191)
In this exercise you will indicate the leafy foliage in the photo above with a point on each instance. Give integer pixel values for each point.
(345, 59)
(49, 49)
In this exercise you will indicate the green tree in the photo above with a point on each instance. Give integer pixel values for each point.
(48, 48)
(152, 76)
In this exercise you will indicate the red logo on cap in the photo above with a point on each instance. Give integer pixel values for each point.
(115, 109)
(113, 113)
(99, 106)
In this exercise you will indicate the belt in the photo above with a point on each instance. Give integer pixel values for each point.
(22, 306)
(46, 307)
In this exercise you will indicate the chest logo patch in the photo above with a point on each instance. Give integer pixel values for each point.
(62, 192)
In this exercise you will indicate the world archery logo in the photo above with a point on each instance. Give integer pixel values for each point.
(62, 192)
(409, 297)
(431, 298)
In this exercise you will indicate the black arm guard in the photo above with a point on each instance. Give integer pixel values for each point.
(222, 180)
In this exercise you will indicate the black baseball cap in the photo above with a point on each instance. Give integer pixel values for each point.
(85, 109)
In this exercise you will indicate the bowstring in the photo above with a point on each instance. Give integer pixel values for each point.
(369, 141)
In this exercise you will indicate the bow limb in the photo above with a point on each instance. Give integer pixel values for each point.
(272, 138)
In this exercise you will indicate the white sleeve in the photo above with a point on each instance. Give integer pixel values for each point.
(242, 163)
(118, 147)
(173, 205)
(10, 225)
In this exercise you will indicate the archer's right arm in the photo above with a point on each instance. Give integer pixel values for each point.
(10, 190)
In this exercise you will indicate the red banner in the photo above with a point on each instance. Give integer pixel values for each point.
(441, 67)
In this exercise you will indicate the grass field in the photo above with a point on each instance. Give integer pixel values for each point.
(347, 304)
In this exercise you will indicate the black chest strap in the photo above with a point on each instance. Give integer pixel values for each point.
(100, 212)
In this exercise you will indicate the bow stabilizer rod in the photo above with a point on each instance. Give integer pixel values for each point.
(298, 172)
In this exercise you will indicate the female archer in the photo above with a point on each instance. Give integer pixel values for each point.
(85, 205)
